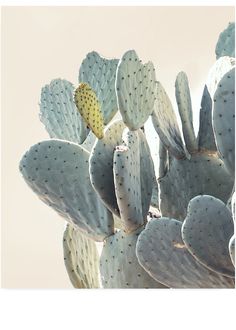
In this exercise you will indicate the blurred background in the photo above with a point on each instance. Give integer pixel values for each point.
(43, 43)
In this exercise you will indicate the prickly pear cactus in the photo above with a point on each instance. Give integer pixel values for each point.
(98, 174)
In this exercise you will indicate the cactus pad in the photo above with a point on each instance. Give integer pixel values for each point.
(101, 165)
(57, 171)
(163, 254)
(81, 259)
(165, 123)
(135, 89)
(89, 108)
(224, 119)
(206, 232)
(183, 99)
(100, 74)
(59, 114)
(119, 265)
(133, 178)
(202, 174)
(226, 42)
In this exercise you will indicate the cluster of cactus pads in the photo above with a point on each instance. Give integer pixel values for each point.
(166, 228)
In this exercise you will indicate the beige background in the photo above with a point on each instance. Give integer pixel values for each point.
(39, 44)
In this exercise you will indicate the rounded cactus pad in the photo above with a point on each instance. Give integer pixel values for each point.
(119, 265)
(89, 108)
(81, 259)
(163, 254)
(135, 90)
(226, 42)
(58, 172)
(206, 232)
(202, 174)
(224, 119)
(100, 74)
(59, 114)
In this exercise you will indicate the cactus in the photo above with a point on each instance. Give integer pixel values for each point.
(224, 119)
(99, 175)
(232, 249)
(135, 88)
(163, 254)
(81, 259)
(206, 232)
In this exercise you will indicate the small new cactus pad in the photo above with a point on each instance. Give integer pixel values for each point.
(226, 42)
(81, 259)
(206, 232)
(100, 74)
(206, 138)
(163, 254)
(135, 90)
(59, 114)
(202, 174)
(224, 119)
(57, 171)
(217, 71)
(184, 103)
(101, 165)
(133, 177)
(89, 108)
(232, 249)
(119, 266)
(165, 123)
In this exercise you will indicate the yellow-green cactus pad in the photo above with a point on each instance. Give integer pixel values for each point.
(89, 108)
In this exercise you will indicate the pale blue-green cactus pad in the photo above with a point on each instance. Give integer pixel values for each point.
(59, 114)
(57, 171)
(100, 74)
(232, 249)
(81, 259)
(163, 254)
(206, 232)
(119, 265)
(226, 42)
(224, 119)
(165, 123)
(135, 88)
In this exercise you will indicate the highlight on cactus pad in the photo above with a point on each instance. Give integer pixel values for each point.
(166, 227)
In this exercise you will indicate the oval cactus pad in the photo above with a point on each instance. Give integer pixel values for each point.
(89, 108)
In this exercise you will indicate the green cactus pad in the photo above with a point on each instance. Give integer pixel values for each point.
(59, 114)
(81, 259)
(133, 177)
(232, 249)
(202, 174)
(135, 90)
(224, 119)
(206, 138)
(163, 254)
(217, 71)
(183, 99)
(101, 165)
(119, 266)
(206, 232)
(100, 74)
(165, 123)
(57, 171)
(226, 42)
